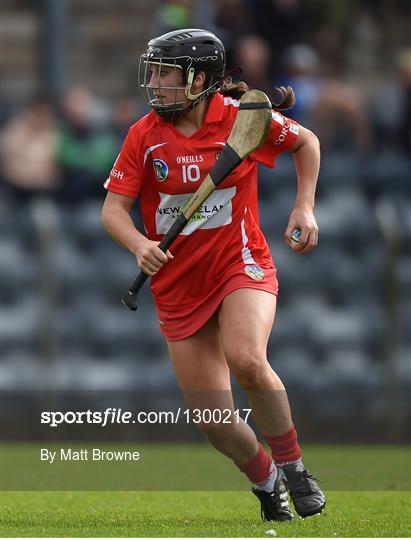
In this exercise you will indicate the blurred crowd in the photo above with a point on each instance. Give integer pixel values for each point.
(66, 148)
(66, 153)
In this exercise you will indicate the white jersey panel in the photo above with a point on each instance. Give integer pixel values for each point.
(215, 212)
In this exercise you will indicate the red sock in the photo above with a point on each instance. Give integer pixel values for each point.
(258, 468)
(284, 448)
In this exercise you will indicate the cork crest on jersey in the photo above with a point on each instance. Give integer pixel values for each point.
(160, 169)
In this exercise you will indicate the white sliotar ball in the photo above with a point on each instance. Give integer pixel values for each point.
(296, 235)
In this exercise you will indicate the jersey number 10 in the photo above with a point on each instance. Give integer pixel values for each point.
(191, 173)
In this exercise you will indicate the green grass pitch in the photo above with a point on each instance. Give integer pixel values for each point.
(174, 514)
(356, 513)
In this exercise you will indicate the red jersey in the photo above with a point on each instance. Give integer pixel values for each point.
(163, 168)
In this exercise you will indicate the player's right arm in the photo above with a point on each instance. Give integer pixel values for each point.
(123, 185)
(116, 219)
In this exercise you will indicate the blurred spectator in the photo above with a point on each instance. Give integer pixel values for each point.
(302, 64)
(232, 19)
(405, 121)
(85, 152)
(125, 113)
(280, 23)
(226, 18)
(171, 15)
(29, 142)
(253, 55)
(335, 110)
(392, 106)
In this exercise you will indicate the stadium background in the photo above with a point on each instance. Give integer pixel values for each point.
(341, 341)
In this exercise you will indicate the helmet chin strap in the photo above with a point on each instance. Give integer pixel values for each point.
(190, 79)
(195, 99)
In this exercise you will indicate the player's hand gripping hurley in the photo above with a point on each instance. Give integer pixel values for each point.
(249, 132)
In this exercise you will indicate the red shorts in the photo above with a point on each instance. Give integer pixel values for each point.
(180, 324)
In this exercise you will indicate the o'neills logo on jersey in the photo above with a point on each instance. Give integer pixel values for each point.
(183, 160)
(160, 169)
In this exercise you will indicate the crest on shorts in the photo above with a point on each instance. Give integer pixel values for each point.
(160, 169)
(254, 272)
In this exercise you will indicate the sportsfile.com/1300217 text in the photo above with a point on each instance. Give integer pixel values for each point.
(117, 416)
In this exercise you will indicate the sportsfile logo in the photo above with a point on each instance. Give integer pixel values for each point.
(112, 415)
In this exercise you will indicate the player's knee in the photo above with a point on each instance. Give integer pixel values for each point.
(249, 368)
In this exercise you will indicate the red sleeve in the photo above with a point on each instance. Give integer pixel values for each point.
(282, 135)
(125, 176)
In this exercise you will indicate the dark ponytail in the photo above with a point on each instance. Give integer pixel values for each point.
(287, 98)
(236, 90)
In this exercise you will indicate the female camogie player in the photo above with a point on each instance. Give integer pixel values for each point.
(216, 293)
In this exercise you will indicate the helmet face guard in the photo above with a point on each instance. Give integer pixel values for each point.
(173, 108)
(202, 52)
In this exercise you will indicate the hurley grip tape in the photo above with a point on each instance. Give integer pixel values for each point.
(226, 163)
(252, 106)
(173, 232)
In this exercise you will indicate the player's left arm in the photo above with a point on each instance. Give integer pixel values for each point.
(306, 153)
